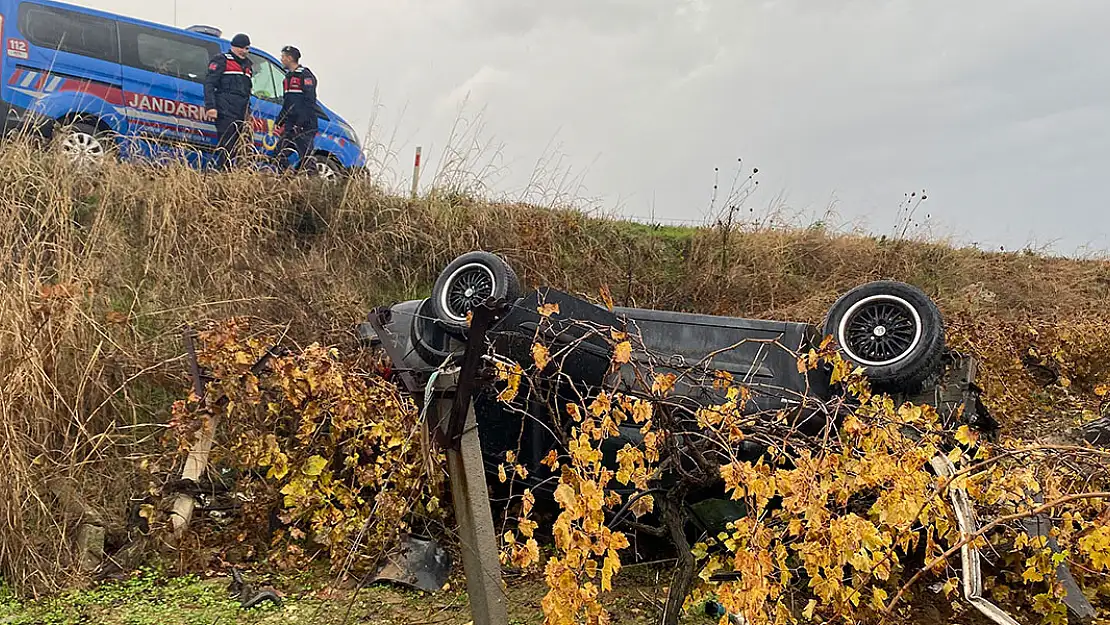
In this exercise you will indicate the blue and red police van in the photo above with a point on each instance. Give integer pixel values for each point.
(98, 83)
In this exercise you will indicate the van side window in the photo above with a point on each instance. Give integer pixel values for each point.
(69, 31)
(269, 79)
(171, 54)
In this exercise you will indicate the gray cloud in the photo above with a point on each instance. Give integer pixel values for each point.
(1000, 108)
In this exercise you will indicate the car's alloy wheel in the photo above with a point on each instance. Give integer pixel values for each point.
(891, 329)
(879, 330)
(467, 287)
(469, 281)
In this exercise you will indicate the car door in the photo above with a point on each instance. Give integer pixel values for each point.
(266, 97)
(163, 79)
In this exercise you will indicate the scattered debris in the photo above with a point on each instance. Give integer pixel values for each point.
(248, 595)
(421, 564)
(1079, 607)
(971, 570)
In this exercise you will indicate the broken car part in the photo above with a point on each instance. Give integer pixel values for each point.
(420, 563)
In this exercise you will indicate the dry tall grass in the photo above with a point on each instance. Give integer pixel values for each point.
(103, 268)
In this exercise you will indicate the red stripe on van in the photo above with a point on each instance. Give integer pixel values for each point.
(108, 93)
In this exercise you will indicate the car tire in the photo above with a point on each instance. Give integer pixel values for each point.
(85, 142)
(429, 341)
(468, 281)
(891, 329)
(326, 167)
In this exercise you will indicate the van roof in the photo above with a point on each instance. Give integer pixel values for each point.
(132, 20)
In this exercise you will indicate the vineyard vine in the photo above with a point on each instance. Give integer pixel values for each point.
(844, 522)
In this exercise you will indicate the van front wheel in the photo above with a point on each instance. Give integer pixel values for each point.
(325, 166)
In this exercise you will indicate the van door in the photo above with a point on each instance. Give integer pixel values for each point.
(266, 92)
(163, 83)
(60, 62)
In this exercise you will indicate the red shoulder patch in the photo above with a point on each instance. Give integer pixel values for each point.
(213, 66)
(308, 81)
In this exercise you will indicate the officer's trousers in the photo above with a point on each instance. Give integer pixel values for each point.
(297, 141)
(229, 131)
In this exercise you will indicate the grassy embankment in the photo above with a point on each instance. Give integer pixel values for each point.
(101, 271)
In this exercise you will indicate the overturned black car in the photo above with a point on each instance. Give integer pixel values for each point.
(893, 330)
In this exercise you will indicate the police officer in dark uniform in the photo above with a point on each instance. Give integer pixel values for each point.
(227, 96)
(298, 110)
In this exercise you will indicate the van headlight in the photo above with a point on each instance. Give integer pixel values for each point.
(349, 131)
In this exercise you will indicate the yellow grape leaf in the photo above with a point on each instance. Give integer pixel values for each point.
(807, 613)
(510, 457)
(841, 370)
(574, 412)
(663, 384)
(610, 568)
(566, 497)
(521, 471)
(528, 528)
(541, 356)
(641, 412)
(613, 499)
(315, 466)
(501, 475)
(965, 436)
(551, 460)
(643, 505)
(878, 598)
(722, 379)
(1031, 574)
(1102, 390)
(700, 550)
(293, 491)
(511, 375)
(601, 405)
(623, 353)
(548, 309)
(617, 542)
(146, 511)
(591, 569)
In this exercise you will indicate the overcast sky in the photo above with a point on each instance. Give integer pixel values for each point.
(1000, 109)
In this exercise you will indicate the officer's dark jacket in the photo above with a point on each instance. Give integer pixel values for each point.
(298, 107)
(227, 87)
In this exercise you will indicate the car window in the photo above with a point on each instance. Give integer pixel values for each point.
(69, 31)
(166, 53)
(268, 79)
